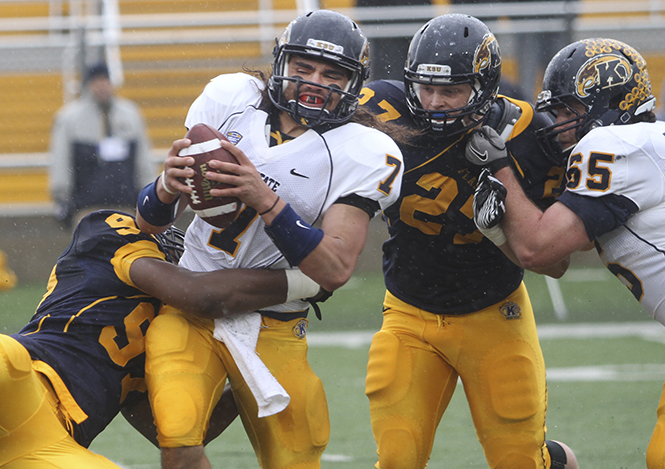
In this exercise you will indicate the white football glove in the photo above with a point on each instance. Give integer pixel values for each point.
(486, 148)
(489, 207)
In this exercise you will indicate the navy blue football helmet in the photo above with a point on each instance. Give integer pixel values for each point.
(448, 50)
(172, 244)
(322, 35)
(607, 77)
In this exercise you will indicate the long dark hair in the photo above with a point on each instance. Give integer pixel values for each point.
(402, 135)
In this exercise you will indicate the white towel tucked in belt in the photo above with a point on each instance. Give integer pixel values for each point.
(240, 334)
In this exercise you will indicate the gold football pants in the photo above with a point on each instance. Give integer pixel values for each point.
(32, 434)
(415, 361)
(186, 368)
(656, 448)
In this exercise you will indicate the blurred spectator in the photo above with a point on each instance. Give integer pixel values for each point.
(99, 151)
(533, 50)
(8, 278)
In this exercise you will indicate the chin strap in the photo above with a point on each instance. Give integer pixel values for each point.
(616, 117)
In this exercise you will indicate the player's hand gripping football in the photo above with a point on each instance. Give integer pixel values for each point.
(486, 148)
(176, 167)
(489, 207)
(249, 185)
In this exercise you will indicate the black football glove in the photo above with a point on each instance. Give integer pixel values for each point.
(489, 207)
(320, 297)
(486, 148)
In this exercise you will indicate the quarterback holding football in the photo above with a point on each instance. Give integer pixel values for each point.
(310, 177)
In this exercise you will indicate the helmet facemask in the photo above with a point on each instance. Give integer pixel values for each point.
(321, 36)
(548, 136)
(318, 112)
(446, 122)
(452, 49)
(172, 244)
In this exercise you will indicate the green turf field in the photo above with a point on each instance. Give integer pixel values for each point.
(604, 382)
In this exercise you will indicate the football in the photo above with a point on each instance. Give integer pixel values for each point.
(218, 211)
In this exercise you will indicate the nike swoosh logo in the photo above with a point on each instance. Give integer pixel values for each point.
(293, 171)
(481, 156)
(299, 223)
(146, 200)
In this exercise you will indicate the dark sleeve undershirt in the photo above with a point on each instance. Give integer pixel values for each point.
(369, 206)
(600, 215)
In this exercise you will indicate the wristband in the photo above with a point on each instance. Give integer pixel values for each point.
(293, 236)
(300, 286)
(168, 191)
(495, 234)
(153, 210)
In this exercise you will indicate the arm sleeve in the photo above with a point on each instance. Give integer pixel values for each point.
(600, 215)
(369, 206)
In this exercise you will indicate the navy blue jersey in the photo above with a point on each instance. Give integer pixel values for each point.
(87, 335)
(435, 258)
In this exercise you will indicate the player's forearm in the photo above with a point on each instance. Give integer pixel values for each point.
(329, 264)
(328, 254)
(540, 240)
(522, 224)
(556, 270)
(333, 261)
(233, 291)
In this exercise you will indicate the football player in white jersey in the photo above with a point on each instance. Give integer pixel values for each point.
(600, 94)
(304, 158)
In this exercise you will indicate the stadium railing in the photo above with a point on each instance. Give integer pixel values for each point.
(53, 43)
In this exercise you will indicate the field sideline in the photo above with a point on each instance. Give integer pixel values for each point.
(648, 330)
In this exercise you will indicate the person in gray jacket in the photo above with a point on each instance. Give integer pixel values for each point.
(99, 151)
